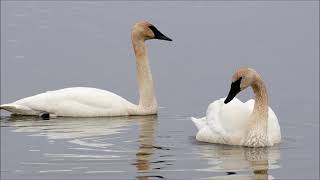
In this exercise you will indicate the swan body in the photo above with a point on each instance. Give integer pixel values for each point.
(73, 102)
(91, 102)
(230, 121)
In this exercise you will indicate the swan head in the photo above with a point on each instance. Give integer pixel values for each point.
(145, 31)
(241, 79)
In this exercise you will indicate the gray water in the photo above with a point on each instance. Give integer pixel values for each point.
(53, 45)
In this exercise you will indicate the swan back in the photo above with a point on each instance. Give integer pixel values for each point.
(77, 102)
(229, 123)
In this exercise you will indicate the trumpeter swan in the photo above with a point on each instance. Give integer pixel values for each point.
(252, 123)
(91, 102)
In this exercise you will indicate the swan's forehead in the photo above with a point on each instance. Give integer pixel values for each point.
(241, 72)
(236, 76)
(143, 24)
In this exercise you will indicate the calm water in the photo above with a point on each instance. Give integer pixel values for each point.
(53, 45)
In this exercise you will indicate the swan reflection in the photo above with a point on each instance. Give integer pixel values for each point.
(94, 139)
(235, 161)
(147, 146)
(81, 131)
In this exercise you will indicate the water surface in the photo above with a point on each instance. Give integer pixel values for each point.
(52, 45)
(123, 148)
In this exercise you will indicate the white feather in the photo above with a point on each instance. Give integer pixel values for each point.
(228, 123)
(73, 102)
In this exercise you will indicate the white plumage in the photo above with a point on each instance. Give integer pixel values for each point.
(229, 123)
(73, 102)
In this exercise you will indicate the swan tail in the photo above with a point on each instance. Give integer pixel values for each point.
(17, 109)
(8, 107)
(200, 123)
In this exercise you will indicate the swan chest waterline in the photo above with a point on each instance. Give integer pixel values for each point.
(92, 102)
(230, 121)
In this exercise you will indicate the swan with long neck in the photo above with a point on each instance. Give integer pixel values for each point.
(92, 102)
(229, 121)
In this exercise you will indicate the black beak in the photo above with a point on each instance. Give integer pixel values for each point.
(235, 89)
(158, 34)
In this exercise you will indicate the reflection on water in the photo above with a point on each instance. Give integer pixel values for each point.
(234, 159)
(81, 131)
(146, 147)
(129, 147)
(90, 137)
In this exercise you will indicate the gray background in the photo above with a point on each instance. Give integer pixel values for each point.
(53, 45)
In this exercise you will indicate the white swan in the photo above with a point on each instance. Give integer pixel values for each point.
(252, 123)
(91, 102)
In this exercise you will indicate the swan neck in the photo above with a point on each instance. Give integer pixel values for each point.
(144, 76)
(260, 109)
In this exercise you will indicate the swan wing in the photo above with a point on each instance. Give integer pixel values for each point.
(199, 123)
(231, 118)
(229, 123)
(274, 131)
(77, 101)
(224, 123)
